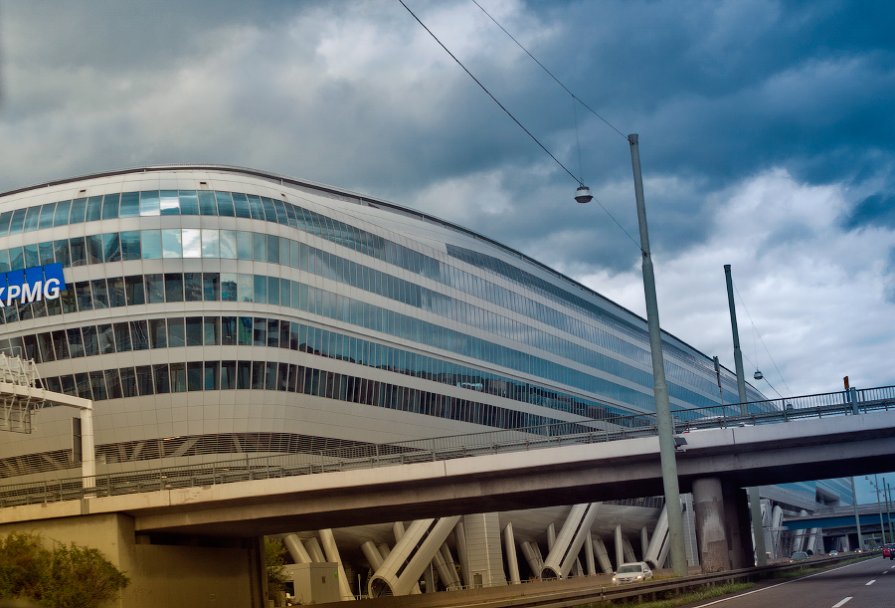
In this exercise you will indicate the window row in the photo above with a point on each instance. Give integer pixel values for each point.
(172, 332)
(164, 378)
(189, 243)
(233, 244)
(177, 287)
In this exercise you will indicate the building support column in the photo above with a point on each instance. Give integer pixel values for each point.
(708, 503)
(628, 550)
(532, 553)
(776, 531)
(657, 541)
(296, 550)
(619, 551)
(568, 543)
(314, 550)
(509, 543)
(371, 552)
(485, 555)
(602, 554)
(462, 552)
(644, 542)
(332, 555)
(589, 555)
(411, 556)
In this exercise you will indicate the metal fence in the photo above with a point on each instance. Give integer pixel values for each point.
(213, 471)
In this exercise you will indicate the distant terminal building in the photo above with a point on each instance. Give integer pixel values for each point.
(215, 313)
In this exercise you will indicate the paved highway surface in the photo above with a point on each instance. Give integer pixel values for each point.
(867, 584)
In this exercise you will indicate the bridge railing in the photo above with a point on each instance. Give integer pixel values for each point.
(211, 470)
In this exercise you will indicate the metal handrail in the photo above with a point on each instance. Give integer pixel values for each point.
(220, 471)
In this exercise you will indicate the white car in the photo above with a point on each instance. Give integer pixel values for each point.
(633, 572)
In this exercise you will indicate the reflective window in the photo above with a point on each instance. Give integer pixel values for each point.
(110, 206)
(225, 204)
(122, 337)
(242, 205)
(133, 288)
(116, 292)
(189, 202)
(207, 206)
(149, 204)
(151, 244)
(173, 287)
(94, 208)
(172, 246)
(47, 214)
(158, 334)
(192, 286)
(100, 294)
(130, 245)
(155, 288)
(210, 379)
(194, 331)
(162, 381)
(192, 243)
(145, 385)
(169, 202)
(139, 335)
(228, 243)
(5, 217)
(195, 375)
(78, 211)
(130, 205)
(211, 247)
(211, 286)
(176, 333)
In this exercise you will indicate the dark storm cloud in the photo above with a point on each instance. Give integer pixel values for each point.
(766, 129)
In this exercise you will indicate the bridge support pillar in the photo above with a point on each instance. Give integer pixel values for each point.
(711, 534)
(737, 518)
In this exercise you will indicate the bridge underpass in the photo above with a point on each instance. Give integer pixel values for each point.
(578, 473)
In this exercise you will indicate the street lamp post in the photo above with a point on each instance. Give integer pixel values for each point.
(854, 501)
(879, 506)
(753, 493)
(888, 497)
(664, 422)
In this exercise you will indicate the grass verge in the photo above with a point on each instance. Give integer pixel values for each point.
(685, 598)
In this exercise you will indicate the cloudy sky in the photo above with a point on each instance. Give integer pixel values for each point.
(767, 136)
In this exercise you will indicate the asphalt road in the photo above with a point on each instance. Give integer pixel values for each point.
(867, 584)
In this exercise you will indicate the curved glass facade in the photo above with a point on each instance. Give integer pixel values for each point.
(208, 305)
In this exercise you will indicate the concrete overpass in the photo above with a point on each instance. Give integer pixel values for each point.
(211, 527)
(740, 456)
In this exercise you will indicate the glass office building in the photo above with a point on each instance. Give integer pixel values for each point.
(216, 312)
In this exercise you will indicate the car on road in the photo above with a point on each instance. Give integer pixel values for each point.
(889, 551)
(798, 556)
(632, 572)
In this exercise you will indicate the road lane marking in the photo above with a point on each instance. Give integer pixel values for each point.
(842, 602)
(733, 597)
(870, 583)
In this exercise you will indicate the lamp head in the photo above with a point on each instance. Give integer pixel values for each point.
(583, 195)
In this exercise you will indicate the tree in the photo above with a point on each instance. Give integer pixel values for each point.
(274, 560)
(68, 576)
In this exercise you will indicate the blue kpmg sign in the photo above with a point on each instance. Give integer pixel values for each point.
(31, 285)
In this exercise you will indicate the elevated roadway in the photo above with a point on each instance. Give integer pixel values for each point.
(742, 456)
